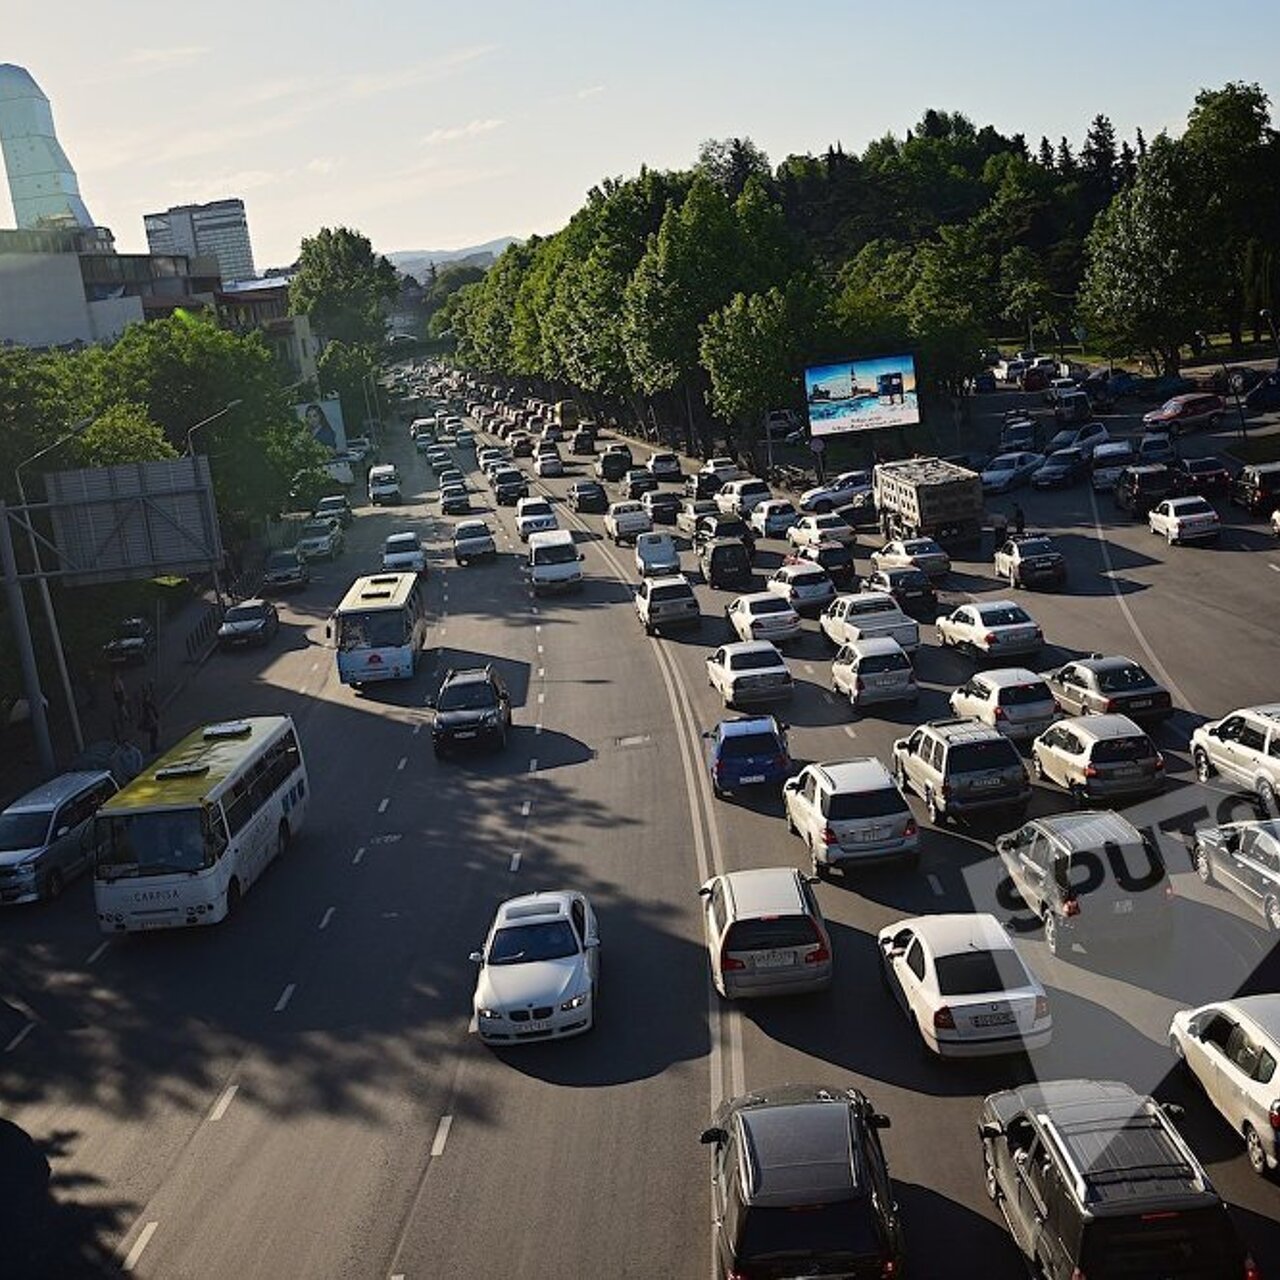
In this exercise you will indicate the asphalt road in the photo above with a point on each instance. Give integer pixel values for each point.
(297, 1093)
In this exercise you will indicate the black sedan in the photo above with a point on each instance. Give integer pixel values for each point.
(587, 495)
(1061, 469)
(252, 622)
(1206, 477)
(911, 588)
(637, 482)
(1100, 685)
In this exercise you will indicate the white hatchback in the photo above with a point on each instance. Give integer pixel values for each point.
(1016, 702)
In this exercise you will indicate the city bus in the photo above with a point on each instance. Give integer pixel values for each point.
(380, 628)
(184, 841)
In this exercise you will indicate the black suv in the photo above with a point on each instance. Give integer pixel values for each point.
(718, 524)
(725, 562)
(1094, 1179)
(473, 707)
(587, 495)
(703, 484)
(800, 1185)
(612, 465)
(1138, 489)
(1089, 877)
(509, 487)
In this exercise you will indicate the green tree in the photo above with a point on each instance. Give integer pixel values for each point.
(1151, 276)
(122, 433)
(342, 286)
(1025, 294)
(29, 395)
(732, 162)
(348, 372)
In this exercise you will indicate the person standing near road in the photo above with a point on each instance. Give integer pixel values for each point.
(149, 719)
(1019, 520)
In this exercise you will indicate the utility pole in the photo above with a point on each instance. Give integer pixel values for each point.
(26, 651)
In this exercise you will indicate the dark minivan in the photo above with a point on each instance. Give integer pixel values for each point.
(725, 563)
(1138, 489)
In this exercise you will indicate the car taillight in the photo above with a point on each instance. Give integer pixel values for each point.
(1274, 1115)
(819, 955)
(1042, 1007)
(1000, 714)
(945, 789)
(1077, 1274)
(1071, 906)
(910, 829)
(1057, 707)
(944, 1019)
(1109, 705)
(1251, 1269)
(1159, 761)
(827, 836)
(888, 1268)
(859, 685)
(989, 638)
(1091, 771)
(781, 761)
(728, 962)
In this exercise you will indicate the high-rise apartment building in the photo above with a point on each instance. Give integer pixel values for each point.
(220, 230)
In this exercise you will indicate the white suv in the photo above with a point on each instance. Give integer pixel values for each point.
(1243, 748)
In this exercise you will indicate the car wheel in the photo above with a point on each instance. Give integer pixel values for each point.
(900, 776)
(1169, 538)
(1271, 909)
(1254, 1149)
(1204, 868)
(1077, 794)
(932, 809)
(1204, 770)
(1037, 767)
(1179, 1054)
(819, 869)
(1267, 799)
(1013, 580)
(1052, 939)
(922, 1045)
(989, 1175)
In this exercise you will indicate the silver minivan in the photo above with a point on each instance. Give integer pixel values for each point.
(1098, 756)
(875, 670)
(46, 836)
(765, 933)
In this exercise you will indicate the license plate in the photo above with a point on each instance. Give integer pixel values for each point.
(466, 733)
(1127, 771)
(866, 835)
(1139, 703)
(753, 777)
(774, 959)
(987, 782)
(992, 1019)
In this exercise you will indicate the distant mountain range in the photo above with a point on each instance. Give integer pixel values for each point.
(414, 262)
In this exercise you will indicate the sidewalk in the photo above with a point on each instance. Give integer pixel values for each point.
(183, 644)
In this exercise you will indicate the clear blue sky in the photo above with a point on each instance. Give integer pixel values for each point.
(431, 125)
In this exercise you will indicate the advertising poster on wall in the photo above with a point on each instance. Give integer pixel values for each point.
(861, 395)
(324, 420)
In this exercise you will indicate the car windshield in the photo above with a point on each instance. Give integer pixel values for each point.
(282, 560)
(1193, 507)
(832, 523)
(750, 744)
(813, 578)
(480, 530)
(921, 547)
(1118, 679)
(970, 973)
(1063, 440)
(151, 844)
(559, 553)
(530, 943)
(1142, 865)
(776, 605)
(1201, 464)
(754, 660)
(1186, 1242)
(22, 830)
(380, 629)
(536, 509)
(1022, 695)
(973, 757)
(467, 695)
(1123, 750)
(330, 506)
(317, 530)
(769, 932)
(833, 557)
(907, 578)
(403, 542)
(246, 613)
(884, 802)
(1002, 464)
(1010, 615)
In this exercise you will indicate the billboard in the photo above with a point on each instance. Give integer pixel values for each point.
(324, 421)
(861, 395)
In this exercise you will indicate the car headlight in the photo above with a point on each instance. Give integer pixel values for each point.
(25, 871)
(489, 1015)
(576, 1002)
(490, 717)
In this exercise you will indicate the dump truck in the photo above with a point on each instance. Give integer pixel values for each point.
(929, 498)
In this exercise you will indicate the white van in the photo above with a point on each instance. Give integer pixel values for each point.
(555, 563)
(384, 484)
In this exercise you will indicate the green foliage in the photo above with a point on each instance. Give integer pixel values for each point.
(122, 433)
(342, 286)
(348, 372)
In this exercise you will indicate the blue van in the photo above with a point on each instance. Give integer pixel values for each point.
(750, 751)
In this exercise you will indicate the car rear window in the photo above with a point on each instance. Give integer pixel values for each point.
(811, 578)
(750, 744)
(845, 806)
(769, 932)
(969, 973)
(830, 557)
(1118, 679)
(756, 660)
(876, 664)
(991, 753)
(1035, 547)
(776, 605)
(1120, 750)
(1190, 1243)
(806, 1235)
(1130, 868)
(673, 591)
(1022, 695)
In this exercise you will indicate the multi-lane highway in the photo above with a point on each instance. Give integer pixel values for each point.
(297, 1093)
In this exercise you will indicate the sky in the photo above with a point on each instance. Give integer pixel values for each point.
(436, 126)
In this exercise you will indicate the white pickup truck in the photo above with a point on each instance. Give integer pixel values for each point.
(625, 520)
(867, 615)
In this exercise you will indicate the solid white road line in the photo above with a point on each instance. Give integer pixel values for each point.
(96, 953)
(382, 804)
(220, 1107)
(515, 861)
(355, 862)
(20, 1037)
(324, 919)
(533, 765)
(144, 1239)
(851, 731)
(417, 728)
(404, 760)
(285, 996)
(524, 808)
(935, 884)
(442, 1136)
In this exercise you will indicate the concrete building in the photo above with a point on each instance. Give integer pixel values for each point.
(42, 183)
(219, 230)
(263, 305)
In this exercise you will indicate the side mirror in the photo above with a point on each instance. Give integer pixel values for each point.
(791, 784)
(878, 1121)
(62, 831)
(593, 944)
(476, 957)
(328, 631)
(704, 891)
(431, 700)
(581, 556)
(708, 733)
(713, 1137)
(1173, 1110)
(990, 1132)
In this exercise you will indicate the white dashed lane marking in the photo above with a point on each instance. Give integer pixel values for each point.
(442, 1136)
(935, 884)
(355, 862)
(96, 953)
(324, 919)
(533, 765)
(382, 804)
(220, 1107)
(285, 996)
(144, 1238)
(524, 808)
(20, 1037)
(404, 760)
(851, 731)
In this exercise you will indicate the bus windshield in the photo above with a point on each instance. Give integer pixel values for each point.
(152, 844)
(380, 629)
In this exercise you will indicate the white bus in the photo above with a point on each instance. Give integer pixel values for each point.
(182, 843)
(380, 628)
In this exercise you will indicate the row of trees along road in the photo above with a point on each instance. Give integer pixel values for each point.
(671, 294)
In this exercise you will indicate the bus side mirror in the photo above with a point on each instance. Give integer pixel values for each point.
(328, 631)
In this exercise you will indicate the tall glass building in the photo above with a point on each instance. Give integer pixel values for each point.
(219, 230)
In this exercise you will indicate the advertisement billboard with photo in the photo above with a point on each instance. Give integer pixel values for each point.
(324, 421)
(861, 395)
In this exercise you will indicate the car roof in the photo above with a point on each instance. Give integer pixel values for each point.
(799, 1153)
(669, 580)
(958, 931)
(963, 729)
(868, 595)
(864, 773)
(1109, 662)
(1090, 829)
(982, 605)
(1007, 677)
(1262, 1010)
(755, 597)
(49, 795)
(467, 675)
(552, 904)
(875, 645)
(403, 536)
(745, 725)
(736, 647)
(763, 891)
(1111, 725)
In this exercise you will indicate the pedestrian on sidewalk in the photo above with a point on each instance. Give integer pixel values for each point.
(1019, 520)
(121, 698)
(149, 720)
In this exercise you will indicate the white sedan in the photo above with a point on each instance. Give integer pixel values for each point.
(809, 531)
(749, 672)
(1185, 520)
(548, 464)
(763, 616)
(963, 986)
(404, 553)
(539, 969)
(1009, 470)
(534, 515)
(802, 586)
(656, 555)
(993, 628)
(913, 553)
(847, 487)
(773, 518)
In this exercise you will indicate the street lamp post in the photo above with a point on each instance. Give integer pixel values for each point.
(1266, 315)
(42, 583)
(191, 453)
(1234, 387)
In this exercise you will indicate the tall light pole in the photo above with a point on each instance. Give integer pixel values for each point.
(204, 422)
(42, 583)
(1266, 315)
